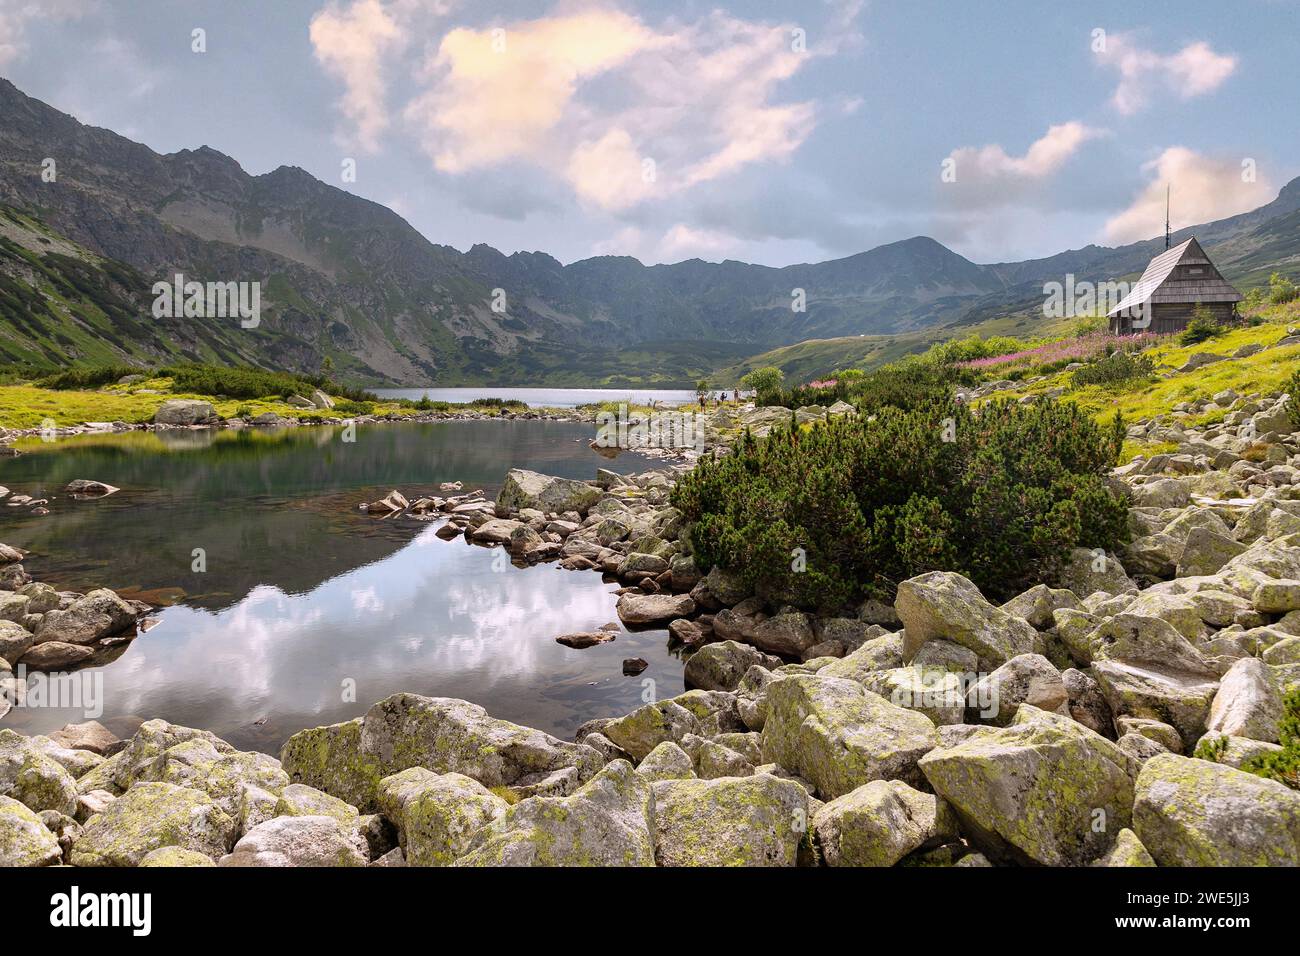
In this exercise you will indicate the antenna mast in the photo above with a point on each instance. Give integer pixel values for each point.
(1167, 235)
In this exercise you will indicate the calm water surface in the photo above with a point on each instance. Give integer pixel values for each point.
(303, 593)
(545, 397)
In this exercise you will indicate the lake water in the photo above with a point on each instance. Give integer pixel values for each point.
(305, 596)
(545, 397)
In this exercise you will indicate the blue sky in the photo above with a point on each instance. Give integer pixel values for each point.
(671, 130)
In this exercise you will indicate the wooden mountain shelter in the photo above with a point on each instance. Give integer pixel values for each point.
(1174, 285)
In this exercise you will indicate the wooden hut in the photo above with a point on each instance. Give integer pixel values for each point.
(1174, 285)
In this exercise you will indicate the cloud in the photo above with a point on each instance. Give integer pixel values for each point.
(17, 15)
(618, 109)
(1045, 155)
(1194, 70)
(352, 43)
(1203, 189)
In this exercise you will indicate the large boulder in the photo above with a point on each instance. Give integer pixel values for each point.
(528, 489)
(1191, 812)
(1086, 572)
(1032, 792)
(720, 666)
(1169, 695)
(299, 841)
(945, 605)
(754, 820)
(437, 815)
(646, 609)
(24, 839)
(99, 614)
(34, 779)
(838, 735)
(1248, 703)
(149, 816)
(648, 726)
(609, 821)
(442, 734)
(1026, 679)
(15, 640)
(788, 634)
(210, 765)
(185, 411)
(880, 823)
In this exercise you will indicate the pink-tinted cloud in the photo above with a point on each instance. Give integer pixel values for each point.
(1193, 71)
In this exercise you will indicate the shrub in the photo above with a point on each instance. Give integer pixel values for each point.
(1201, 328)
(1281, 290)
(1115, 369)
(765, 383)
(345, 406)
(870, 503)
(245, 382)
(1282, 765)
(1293, 406)
(87, 376)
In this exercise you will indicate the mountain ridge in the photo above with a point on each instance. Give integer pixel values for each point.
(349, 279)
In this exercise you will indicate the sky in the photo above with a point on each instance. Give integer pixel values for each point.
(769, 131)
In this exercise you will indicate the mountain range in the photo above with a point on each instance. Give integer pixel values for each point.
(347, 279)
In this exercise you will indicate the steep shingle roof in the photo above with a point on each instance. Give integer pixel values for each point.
(1158, 284)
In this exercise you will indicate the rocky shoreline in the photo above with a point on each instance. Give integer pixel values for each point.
(1100, 723)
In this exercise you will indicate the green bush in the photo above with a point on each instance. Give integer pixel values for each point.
(1293, 406)
(1201, 328)
(1282, 765)
(345, 406)
(765, 383)
(1281, 290)
(245, 382)
(871, 503)
(87, 376)
(1115, 369)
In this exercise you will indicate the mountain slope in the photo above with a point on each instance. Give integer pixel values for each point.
(350, 280)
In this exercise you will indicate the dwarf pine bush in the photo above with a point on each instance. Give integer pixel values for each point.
(822, 517)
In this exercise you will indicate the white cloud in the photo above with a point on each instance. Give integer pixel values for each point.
(17, 15)
(352, 43)
(1203, 189)
(1194, 70)
(617, 108)
(1043, 157)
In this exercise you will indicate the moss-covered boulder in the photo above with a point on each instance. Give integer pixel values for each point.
(645, 728)
(1248, 704)
(1174, 697)
(24, 839)
(300, 800)
(436, 815)
(880, 823)
(933, 691)
(1191, 812)
(529, 489)
(1026, 679)
(667, 761)
(838, 735)
(943, 604)
(756, 820)
(721, 665)
(33, 778)
(150, 816)
(441, 734)
(221, 772)
(1044, 790)
(173, 856)
(1127, 851)
(299, 841)
(607, 822)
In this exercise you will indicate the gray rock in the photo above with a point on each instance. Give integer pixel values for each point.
(150, 816)
(756, 820)
(609, 821)
(1026, 679)
(946, 605)
(528, 489)
(1248, 703)
(437, 815)
(1190, 812)
(721, 665)
(32, 778)
(299, 841)
(185, 411)
(839, 736)
(644, 609)
(24, 839)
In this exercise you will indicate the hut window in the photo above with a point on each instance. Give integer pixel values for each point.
(1194, 270)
